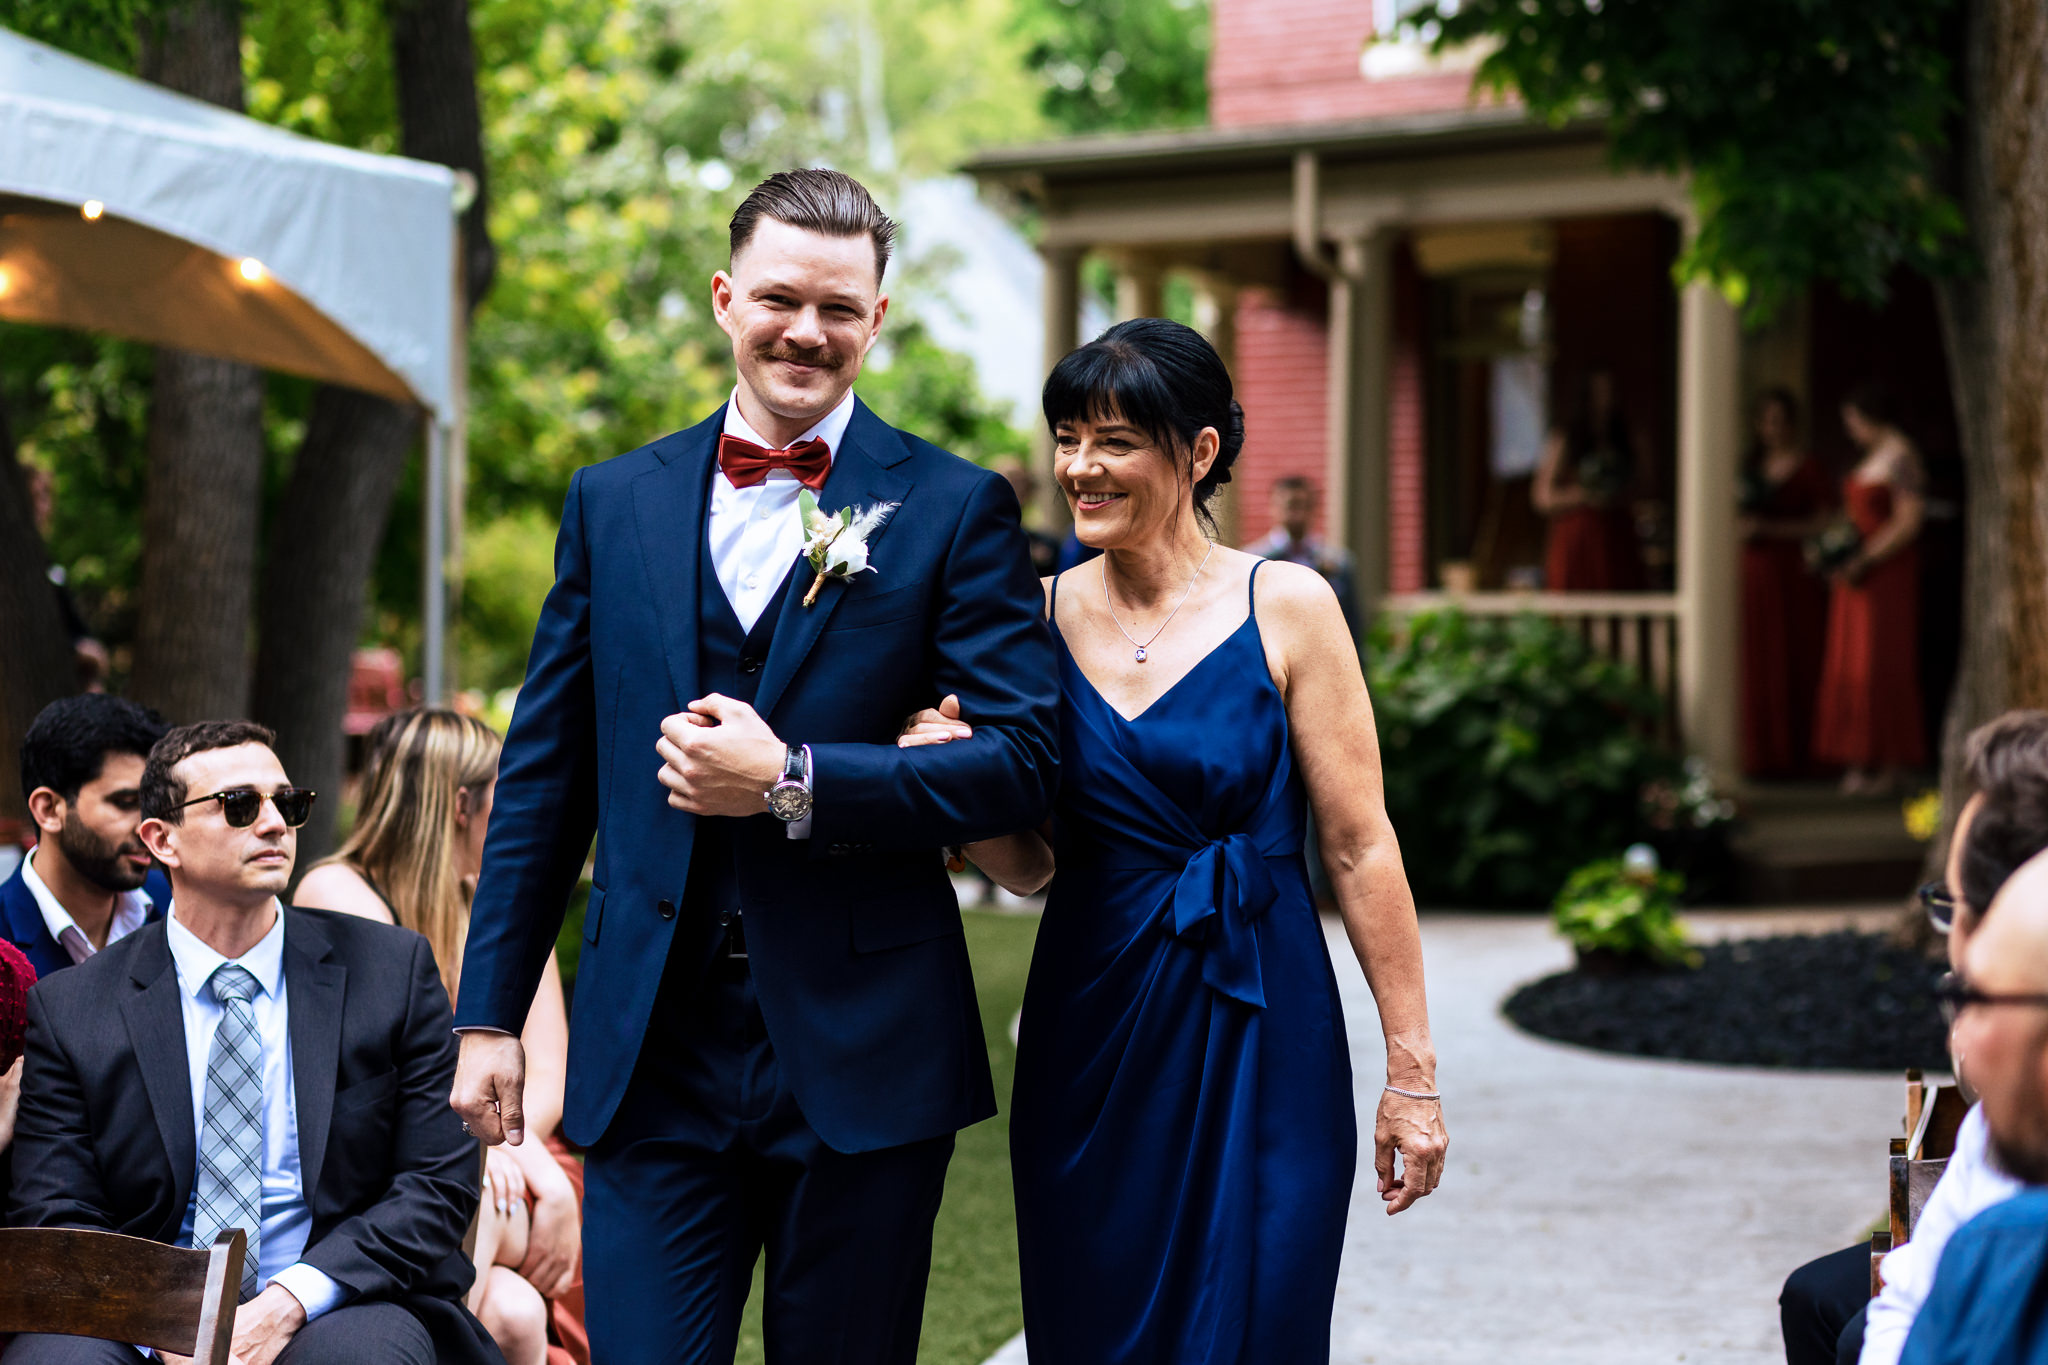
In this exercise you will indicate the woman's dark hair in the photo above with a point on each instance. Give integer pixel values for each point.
(1164, 379)
(1869, 398)
(1777, 395)
(1586, 433)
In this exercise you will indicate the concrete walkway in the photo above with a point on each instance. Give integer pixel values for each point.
(1597, 1210)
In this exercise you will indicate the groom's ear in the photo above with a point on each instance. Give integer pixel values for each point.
(875, 327)
(721, 300)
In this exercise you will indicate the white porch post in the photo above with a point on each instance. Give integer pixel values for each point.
(1062, 308)
(1140, 286)
(1360, 350)
(1709, 564)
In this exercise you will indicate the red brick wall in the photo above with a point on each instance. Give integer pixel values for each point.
(1281, 379)
(1296, 61)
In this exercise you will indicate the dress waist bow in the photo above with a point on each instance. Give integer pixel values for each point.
(1224, 888)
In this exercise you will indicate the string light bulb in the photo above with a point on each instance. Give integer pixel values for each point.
(253, 270)
(6, 282)
(91, 210)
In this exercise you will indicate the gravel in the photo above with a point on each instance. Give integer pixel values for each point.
(1844, 1001)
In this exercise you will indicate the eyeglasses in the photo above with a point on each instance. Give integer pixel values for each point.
(241, 805)
(1956, 995)
(1940, 905)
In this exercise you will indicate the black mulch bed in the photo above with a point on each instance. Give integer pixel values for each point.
(1844, 1001)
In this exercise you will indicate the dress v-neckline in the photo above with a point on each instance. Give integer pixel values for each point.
(1171, 687)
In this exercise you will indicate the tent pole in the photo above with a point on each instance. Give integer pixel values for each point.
(433, 569)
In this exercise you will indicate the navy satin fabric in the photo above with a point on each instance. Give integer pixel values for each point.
(1183, 1137)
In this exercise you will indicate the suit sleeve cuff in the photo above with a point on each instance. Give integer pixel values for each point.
(317, 1292)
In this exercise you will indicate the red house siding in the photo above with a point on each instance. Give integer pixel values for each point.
(1281, 378)
(1296, 61)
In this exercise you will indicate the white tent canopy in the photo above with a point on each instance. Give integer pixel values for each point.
(350, 253)
(129, 209)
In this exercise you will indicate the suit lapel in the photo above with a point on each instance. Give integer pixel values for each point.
(314, 985)
(668, 511)
(861, 475)
(156, 1030)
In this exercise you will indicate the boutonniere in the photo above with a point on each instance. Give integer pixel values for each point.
(836, 543)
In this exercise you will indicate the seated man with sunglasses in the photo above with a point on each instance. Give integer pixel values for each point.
(242, 1064)
(1826, 1310)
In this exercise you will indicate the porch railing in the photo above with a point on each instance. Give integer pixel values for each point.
(1639, 629)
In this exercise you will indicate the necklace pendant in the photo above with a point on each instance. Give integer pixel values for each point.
(1141, 654)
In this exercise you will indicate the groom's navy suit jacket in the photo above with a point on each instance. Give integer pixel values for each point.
(853, 935)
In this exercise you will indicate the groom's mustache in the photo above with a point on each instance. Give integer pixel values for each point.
(823, 359)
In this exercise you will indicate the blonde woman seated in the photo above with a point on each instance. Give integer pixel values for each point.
(412, 860)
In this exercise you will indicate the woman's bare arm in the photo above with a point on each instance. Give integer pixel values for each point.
(1545, 494)
(339, 887)
(1337, 748)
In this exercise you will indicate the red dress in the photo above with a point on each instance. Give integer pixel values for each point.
(1868, 712)
(1592, 549)
(1784, 616)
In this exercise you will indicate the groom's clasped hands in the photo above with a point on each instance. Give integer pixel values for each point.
(718, 756)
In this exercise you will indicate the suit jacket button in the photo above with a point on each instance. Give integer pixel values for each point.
(666, 909)
(750, 666)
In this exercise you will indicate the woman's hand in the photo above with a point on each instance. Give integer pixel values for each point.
(10, 1101)
(504, 1180)
(940, 725)
(554, 1245)
(1413, 1130)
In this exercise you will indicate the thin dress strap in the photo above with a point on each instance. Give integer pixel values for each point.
(1252, 587)
(1052, 607)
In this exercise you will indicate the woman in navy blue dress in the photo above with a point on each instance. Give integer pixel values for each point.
(1183, 1136)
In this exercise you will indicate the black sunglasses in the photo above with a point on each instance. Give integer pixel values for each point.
(241, 805)
(1955, 995)
(1940, 905)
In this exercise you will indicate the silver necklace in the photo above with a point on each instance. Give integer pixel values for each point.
(1138, 647)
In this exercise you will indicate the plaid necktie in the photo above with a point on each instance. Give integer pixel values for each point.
(229, 1189)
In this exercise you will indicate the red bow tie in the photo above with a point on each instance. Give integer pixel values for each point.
(746, 464)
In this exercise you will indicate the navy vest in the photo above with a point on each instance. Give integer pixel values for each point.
(729, 662)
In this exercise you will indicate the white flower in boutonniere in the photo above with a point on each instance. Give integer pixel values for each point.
(836, 543)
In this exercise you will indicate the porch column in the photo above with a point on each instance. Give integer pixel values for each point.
(1360, 351)
(1062, 309)
(1709, 558)
(1140, 286)
(1216, 318)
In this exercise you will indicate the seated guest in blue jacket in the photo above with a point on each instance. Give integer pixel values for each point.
(242, 1064)
(89, 881)
(1989, 1303)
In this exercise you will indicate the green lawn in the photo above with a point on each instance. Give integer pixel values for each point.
(972, 1307)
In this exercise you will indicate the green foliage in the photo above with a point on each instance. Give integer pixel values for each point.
(105, 31)
(1512, 752)
(1122, 65)
(1809, 127)
(1607, 907)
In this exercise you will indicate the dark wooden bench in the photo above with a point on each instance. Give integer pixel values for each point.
(76, 1283)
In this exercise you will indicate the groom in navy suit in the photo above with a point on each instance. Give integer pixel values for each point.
(775, 1033)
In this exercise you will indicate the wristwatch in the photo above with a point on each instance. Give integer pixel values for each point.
(789, 800)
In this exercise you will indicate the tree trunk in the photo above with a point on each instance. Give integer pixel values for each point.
(35, 666)
(200, 515)
(334, 511)
(1995, 322)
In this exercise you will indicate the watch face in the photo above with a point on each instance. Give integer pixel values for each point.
(789, 801)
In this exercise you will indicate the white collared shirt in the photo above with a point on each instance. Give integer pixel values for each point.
(753, 533)
(287, 1218)
(131, 911)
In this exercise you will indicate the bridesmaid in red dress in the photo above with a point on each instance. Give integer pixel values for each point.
(1868, 716)
(1786, 498)
(1582, 488)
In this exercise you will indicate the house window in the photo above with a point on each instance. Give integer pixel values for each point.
(1391, 51)
(1388, 14)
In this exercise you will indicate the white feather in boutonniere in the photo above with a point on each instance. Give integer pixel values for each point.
(836, 543)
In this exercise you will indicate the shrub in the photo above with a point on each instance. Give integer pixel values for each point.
(1513, 753)
(1613, 909)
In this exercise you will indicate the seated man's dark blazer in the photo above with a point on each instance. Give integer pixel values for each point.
(106, 1133)
(21, 919)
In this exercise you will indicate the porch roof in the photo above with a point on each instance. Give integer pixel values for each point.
(1207, 151)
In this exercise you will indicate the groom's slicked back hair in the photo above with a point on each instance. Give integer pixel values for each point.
(817, 200)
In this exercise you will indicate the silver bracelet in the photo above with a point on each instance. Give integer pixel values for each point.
(1416, 1094)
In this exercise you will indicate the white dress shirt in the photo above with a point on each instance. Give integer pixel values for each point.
(287, 1219)
(1970, 1184)
(753, 533)
(131, 910)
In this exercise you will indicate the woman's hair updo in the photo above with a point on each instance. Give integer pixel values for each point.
(1164, 379)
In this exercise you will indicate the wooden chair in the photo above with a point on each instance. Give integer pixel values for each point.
(1934, 1114)
(76, 1283)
